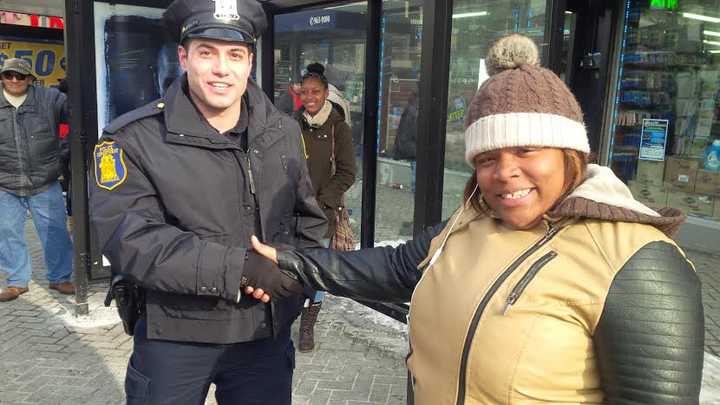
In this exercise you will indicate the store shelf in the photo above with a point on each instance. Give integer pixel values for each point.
(652, 107)
(645, 66)
(651, 52)
(648, 89)
(661, 66)
(626, 148)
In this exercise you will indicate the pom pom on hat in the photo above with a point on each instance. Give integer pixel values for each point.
(522, 104)
(511, 52)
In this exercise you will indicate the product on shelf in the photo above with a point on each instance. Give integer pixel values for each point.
(707, 182)
(681, 173)
(653, 196)
(650, 173)
(694, 204)
(712, 157)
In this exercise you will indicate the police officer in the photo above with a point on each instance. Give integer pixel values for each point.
(180, 186)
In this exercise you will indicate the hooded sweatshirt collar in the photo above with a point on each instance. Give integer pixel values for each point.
(603, 196)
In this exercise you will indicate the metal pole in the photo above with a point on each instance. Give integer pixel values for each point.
(370, 111)
(267, 65)
(78, 20)
(432, 114)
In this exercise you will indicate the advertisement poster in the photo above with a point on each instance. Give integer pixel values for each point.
(135, 62)
(653, 139)
(47, 59)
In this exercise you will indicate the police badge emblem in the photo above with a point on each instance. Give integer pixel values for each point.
(226, 10)
(110, 169)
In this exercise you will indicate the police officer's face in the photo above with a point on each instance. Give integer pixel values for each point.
(217, 73)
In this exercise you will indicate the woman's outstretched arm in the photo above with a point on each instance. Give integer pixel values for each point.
(378, 274)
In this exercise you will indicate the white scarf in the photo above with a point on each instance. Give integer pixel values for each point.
(15, 101)
(319, 119)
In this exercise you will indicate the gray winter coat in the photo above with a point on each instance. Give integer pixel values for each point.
(30, 149)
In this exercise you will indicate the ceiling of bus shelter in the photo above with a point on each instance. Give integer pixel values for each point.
(57, 7)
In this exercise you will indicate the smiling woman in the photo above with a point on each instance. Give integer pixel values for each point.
(551, 284)
(574, 168)
(520, 184)
(331, 162)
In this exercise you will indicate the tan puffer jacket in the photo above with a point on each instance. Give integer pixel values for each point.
(595, 305)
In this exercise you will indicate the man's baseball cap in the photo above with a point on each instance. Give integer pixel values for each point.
(226, 20)
(17, 65)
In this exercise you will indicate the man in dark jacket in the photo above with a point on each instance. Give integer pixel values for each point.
(30, 156)
(181, 185)
(406, 137)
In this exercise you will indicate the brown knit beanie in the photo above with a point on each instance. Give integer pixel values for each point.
(522, 104)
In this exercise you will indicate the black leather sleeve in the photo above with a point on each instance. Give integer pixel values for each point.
(377, 274)
(649, 341)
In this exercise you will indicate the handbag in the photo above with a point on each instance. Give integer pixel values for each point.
(344, 238)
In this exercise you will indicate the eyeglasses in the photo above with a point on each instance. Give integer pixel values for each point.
(10, 75)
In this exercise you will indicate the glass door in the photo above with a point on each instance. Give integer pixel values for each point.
(334, 36)
(400, 50)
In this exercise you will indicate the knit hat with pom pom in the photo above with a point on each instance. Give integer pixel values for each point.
(522, 104)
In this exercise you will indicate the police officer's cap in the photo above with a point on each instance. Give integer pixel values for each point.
(226, 20)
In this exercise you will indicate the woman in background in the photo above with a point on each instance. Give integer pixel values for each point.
(331, 162)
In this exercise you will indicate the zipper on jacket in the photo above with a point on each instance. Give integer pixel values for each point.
(250, 175)
(18, 145)
(483, 303)
(526, 279)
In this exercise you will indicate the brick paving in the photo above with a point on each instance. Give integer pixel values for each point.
(47, 356)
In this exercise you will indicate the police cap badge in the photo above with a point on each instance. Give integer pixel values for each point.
(226, 20)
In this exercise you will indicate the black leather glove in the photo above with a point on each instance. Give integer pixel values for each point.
(262, 273)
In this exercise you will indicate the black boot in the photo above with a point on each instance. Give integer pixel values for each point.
(307, 327)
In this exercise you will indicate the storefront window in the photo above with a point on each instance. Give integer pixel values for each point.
(476, 24)
(397, 130)
(666, 134)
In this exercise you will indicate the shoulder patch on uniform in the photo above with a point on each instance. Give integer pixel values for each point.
(154, 108)
(110, 169)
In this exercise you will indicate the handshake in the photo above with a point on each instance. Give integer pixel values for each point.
(262, 279)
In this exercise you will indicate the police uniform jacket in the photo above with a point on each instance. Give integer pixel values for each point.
(175, 202)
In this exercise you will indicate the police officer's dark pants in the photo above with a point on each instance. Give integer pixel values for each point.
(252, 373)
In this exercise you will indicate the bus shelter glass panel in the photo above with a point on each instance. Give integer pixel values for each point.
(334, 36)
(665, 140)
(475, 26)
(400, 48)
(130, 47)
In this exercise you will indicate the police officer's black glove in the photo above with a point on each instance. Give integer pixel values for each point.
(262, 273)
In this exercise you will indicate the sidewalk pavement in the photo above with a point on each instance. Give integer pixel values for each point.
(49, 356)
